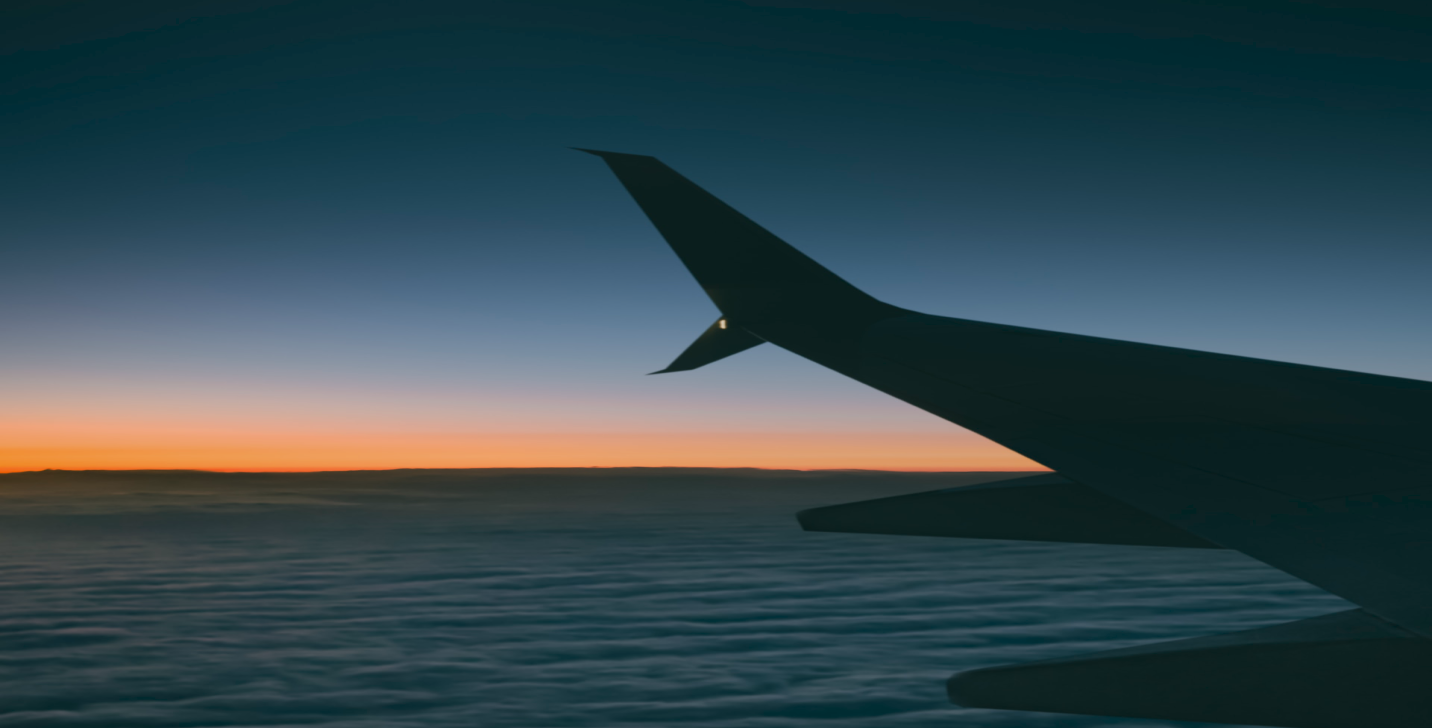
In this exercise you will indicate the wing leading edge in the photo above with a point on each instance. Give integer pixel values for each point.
(1325, 474)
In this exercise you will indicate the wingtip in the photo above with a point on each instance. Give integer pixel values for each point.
(607, 155)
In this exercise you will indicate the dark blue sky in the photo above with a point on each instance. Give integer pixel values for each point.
(360, 220)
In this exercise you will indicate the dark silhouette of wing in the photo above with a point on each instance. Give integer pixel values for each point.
(717, 342)
(1325, 474)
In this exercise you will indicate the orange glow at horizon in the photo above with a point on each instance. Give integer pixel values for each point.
(163, 449)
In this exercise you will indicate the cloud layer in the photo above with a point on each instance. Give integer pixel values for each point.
(547, 599)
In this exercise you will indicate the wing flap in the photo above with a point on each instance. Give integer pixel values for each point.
(1036, 508)
(1338, 670)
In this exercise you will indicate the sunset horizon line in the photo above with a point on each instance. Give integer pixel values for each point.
(989, 469)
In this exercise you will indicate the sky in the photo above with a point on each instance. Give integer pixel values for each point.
(255, 235)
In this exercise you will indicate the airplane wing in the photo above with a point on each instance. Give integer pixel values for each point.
(1324, 474)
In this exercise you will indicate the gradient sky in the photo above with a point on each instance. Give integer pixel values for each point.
(336, 234)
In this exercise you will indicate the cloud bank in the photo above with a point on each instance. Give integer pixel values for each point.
(548, 599)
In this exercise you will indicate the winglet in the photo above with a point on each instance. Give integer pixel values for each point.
(719, 341)
(604, 155)
(748, 272)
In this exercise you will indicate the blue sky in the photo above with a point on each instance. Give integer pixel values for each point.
(359, 220)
